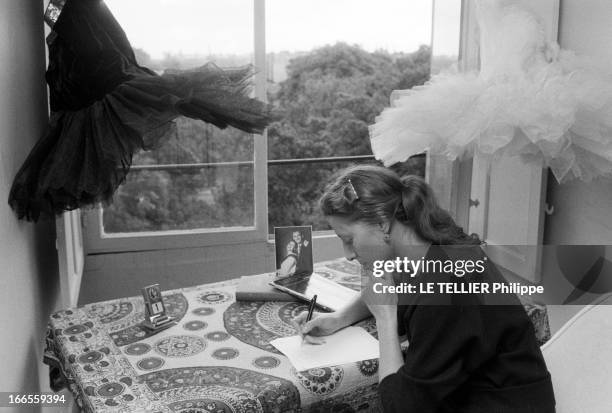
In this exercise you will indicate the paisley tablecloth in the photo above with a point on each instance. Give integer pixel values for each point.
(217, 358)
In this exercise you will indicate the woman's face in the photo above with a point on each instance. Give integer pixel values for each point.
(290, 246)
(361, 241)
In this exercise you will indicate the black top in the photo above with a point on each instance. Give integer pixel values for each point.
(467, 357)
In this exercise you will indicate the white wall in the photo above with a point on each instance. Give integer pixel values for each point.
(583, 211)
(28, 263)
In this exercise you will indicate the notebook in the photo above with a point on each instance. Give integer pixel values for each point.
(330, 295)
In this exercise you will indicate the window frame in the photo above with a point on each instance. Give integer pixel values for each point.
(96, 241)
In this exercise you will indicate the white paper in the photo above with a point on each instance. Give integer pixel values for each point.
(345, 346)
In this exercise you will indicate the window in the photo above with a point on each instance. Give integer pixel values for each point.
(198, 187)
(328, 67)
(331, 71)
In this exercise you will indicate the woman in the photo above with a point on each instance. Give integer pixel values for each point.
(463, 356)
(287, 267)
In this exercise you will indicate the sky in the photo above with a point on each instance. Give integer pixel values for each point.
(203, 27)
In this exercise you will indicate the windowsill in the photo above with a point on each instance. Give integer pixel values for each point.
(317, 235)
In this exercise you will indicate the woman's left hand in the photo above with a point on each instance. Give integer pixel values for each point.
(381, 303)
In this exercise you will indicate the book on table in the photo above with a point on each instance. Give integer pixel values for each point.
(258, 288)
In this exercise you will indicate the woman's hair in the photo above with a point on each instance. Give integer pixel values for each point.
(374, 194)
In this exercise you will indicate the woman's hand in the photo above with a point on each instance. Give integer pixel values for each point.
(321, 324)
(381, 303)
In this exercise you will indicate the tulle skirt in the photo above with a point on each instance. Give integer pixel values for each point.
(85, 154)
(560, 112)
(105, 107)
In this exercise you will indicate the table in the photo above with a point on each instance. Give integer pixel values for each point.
(217, 358)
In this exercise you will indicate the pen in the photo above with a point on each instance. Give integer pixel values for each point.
(311, 307)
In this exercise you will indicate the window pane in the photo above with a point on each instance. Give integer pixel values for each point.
(183, 34)
(182, 200)
(331, 68)
(445, 35)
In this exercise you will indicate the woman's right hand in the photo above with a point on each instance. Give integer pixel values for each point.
(321, 324)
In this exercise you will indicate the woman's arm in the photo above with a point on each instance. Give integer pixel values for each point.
(391, 357)
(383, 307)
(353, 312)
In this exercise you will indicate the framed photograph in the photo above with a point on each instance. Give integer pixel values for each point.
(153, 300)
(293, 250)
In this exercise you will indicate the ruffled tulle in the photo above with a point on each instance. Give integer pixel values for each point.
(105, 107)
(556, 107)
(86, 154)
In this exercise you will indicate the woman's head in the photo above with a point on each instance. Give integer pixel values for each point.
(368, 196)
(291, 247)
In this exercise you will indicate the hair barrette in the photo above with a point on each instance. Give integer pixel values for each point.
(353, 192)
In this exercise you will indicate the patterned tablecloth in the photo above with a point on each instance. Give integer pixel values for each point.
(217, 358)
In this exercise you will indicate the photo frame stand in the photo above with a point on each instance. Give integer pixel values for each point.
(158, 322)
(155, 317)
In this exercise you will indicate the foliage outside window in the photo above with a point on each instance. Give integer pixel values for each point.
(326, 96)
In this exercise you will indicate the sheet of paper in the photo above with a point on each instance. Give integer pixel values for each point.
(345, 346)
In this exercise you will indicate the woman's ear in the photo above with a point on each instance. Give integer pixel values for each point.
(385, 227)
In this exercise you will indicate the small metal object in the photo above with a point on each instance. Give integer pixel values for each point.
(549, 209)
(352, 188)
(387, 237)
(474, 203)
(156, 317)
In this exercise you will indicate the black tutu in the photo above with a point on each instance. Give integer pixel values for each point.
(105, 107)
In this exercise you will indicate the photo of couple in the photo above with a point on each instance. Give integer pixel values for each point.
(293, 250)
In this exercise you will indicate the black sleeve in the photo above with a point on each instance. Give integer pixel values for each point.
(446, 345)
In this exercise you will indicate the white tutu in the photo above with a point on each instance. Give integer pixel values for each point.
(529, 98)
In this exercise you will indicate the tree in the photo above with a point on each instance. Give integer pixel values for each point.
(328, 99)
